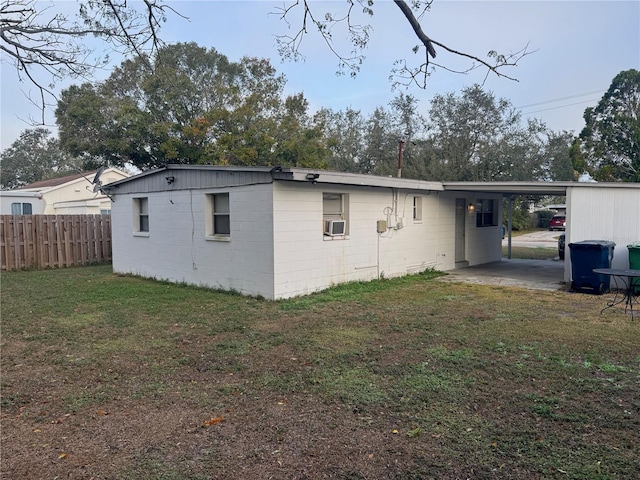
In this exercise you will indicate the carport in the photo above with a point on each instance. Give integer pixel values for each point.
(595, 211)
(510, 190)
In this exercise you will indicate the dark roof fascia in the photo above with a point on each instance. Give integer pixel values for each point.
(529, 188)
(509, 188)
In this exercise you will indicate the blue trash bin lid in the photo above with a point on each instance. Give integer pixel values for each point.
(592, 244)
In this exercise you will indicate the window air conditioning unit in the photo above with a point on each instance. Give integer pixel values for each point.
(334, 228)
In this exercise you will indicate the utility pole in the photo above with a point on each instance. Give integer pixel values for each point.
(400, 144)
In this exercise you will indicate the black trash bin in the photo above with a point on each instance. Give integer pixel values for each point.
(585, 257)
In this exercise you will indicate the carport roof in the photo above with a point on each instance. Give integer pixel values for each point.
(527, 188)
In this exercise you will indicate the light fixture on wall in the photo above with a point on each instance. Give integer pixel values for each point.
(313, 177)
(471, 207)
(170, 179)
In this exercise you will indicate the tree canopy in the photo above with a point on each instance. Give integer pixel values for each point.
(32, 157)
(611, 136)
(187, 104)
(470, 136)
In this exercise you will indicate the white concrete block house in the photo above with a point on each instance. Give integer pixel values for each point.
(284, 232)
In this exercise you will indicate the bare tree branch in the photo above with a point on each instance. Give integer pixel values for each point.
(44, 40)
(289, 46)
(413, 21)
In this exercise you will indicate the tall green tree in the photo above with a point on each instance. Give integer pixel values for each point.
(611, 137)
(558, 156)
(380, 154)
(578, 159)
(477, 137)
(191, 106)
(34, 156)
(344, 132)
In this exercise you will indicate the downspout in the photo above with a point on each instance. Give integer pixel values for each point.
(509, 225)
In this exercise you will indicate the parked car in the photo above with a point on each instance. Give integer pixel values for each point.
(558, 222)
(561, 246)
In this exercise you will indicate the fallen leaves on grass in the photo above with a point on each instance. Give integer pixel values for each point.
(213, 421)
(62, 418)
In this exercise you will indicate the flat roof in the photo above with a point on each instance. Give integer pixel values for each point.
(314, 175)
(309, 175)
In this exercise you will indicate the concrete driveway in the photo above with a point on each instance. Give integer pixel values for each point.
(532, 274)
(543, 238)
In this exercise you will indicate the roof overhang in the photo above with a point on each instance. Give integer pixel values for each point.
(20, 193)
(317, 176)
(342, 178)
(508, 189)
(306, 175)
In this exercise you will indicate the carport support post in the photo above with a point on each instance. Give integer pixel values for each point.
(509, 224)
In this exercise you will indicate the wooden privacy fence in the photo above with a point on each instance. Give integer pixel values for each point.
(44, 241)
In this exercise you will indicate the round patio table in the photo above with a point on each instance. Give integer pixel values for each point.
(628, 295)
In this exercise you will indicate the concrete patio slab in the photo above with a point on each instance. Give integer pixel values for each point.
(532, 274)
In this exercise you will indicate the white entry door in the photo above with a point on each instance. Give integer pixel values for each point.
(461, 213)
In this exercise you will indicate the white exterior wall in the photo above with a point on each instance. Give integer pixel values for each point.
(63, 198)
(307, 261)
(83, 207)
(603, 213)
(484, 244)
(9, 197)
(176, 248)
(446, 231)
(481, 244)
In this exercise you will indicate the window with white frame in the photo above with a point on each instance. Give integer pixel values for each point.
(18, 208)
(485, 213)
(417, 209)
(141, 215)
(335, 214)
(218, 216)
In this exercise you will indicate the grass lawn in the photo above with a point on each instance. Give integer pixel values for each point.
(528, 253)
(111, 377)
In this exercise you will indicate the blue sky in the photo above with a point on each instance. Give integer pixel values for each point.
(579, 48)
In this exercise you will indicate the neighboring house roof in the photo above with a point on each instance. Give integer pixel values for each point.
(54, 182)
(19, 194)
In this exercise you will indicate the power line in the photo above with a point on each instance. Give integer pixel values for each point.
(560, 99)
(560, 106)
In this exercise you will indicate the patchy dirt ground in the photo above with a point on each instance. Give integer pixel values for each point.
(423, 380)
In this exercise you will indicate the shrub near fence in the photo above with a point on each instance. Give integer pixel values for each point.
(46, 241)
